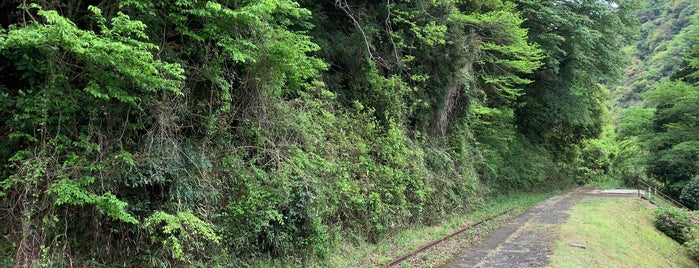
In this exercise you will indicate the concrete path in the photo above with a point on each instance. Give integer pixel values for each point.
(528, 240)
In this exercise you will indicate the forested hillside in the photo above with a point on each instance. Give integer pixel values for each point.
(658, 102)
(170, 133)
(663, 40)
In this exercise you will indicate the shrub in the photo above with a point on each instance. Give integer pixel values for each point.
(693, 248)
(675, 222)
(182, 234)
(690, 194)
(692, 244)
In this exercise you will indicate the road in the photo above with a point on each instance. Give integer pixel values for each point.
(528, 240)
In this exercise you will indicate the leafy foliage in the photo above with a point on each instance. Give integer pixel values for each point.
(690, 194)
(564, 104)
(692, 245)
(202, 132)
(675, 222)
(180, 233)
(58, 147)
(664, 37)
(663, 132)
(672, 140)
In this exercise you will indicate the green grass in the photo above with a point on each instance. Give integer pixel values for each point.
(607, 183)
(347, 254)
(618, 232)
(660, 201)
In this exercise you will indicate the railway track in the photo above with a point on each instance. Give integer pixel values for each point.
(442, 239)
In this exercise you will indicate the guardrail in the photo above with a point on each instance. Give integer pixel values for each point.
(651, 190)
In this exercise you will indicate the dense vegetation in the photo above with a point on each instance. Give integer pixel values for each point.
(158, 133)
(658, 114)
(681, 226)
(658, 126)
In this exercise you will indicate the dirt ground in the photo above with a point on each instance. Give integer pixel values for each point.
(525, 241)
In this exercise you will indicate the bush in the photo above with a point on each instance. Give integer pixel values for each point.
(693, 249)
(674, 190)
(675, 222)
(690, 194)
(692, 245)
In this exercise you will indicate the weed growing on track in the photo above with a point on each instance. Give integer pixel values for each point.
(347, 254)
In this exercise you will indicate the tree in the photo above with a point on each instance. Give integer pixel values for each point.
(196, 133)
(60, 84)
(581, 41)
(674, 140)
(659, 49)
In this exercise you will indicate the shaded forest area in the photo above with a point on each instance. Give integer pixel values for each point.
(186, 132)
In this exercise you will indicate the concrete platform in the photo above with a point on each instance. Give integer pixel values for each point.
(620, 191)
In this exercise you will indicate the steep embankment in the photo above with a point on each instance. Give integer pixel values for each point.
(207, 133)
(617, 232)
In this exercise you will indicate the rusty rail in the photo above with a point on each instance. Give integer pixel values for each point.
(434, 242)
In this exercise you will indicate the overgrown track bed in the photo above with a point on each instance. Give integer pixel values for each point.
(442, 239)
(528, 240)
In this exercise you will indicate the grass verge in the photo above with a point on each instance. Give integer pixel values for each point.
(617, 232)
(606, 184)
(347, 254)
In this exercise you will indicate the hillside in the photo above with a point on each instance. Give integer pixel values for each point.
(616, 233)
(655, 108)
(193, 132)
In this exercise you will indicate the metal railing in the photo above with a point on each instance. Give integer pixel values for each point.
(651, 191)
